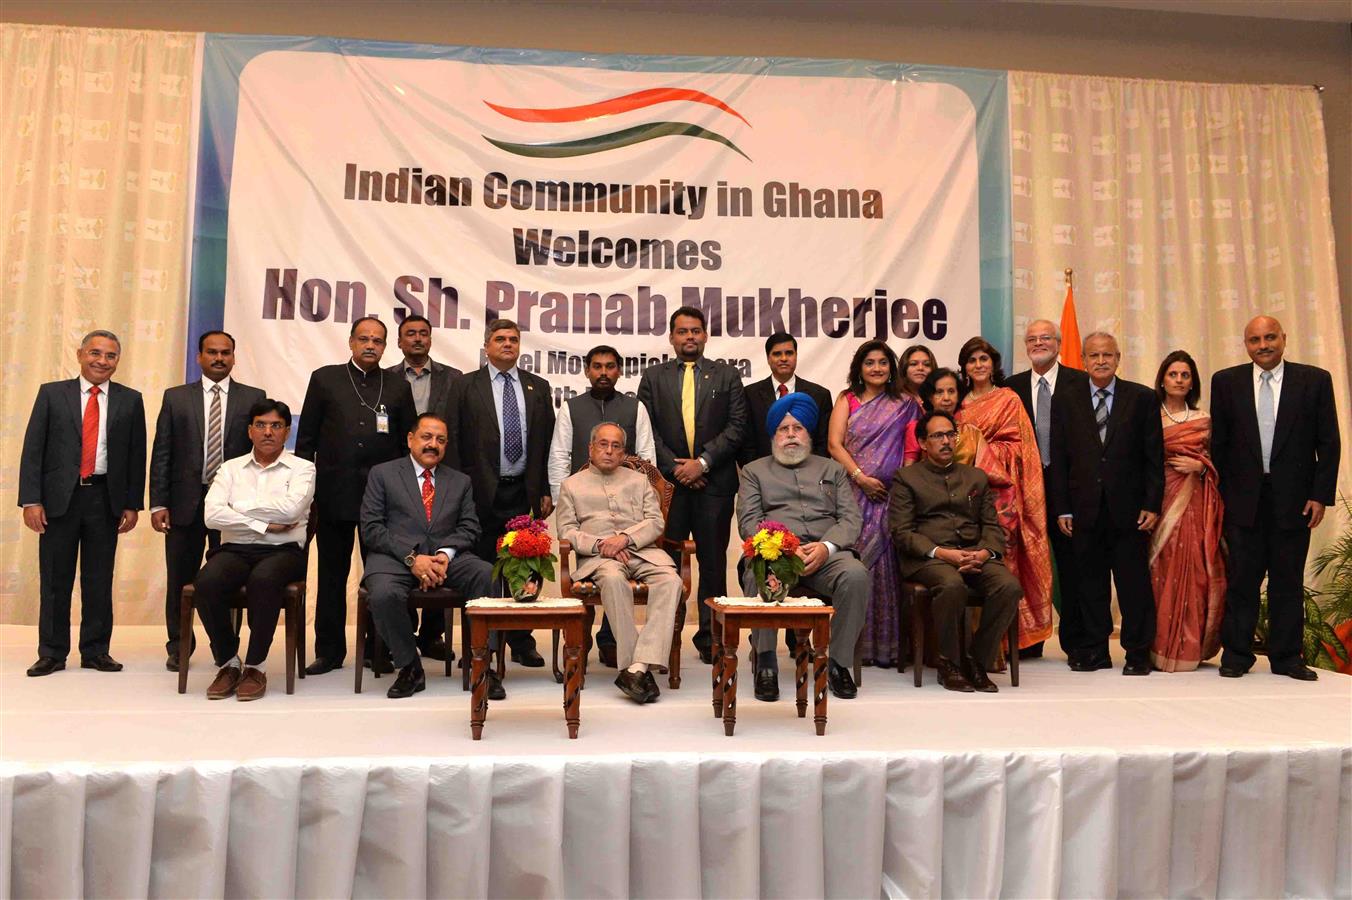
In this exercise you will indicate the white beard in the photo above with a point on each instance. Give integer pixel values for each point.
(790, 456)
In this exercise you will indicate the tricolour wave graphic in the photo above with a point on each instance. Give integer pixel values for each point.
(613, 140)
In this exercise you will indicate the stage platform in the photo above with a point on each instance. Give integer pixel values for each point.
(1072, 785)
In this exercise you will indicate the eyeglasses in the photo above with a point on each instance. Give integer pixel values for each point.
(268, 426)
(942, 435)
(1040, 339)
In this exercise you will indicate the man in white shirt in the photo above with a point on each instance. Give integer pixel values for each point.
(260, 503)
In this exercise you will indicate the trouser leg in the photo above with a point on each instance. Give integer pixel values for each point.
(1245, 565)
(664, 594)
(617, 598)
(846, 581)
(182, 558)
(387, 599)
(98, 549)
(948, 603)
(1000, 594)
(1286, 597)
(335, 539)
(762, 639)
(711, 528)
(1093, 609)
(1135, 594)
(509, 501)
(58, 548)
(225, 572)
(266, 594)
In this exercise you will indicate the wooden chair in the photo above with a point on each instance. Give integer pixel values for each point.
(443, 599)
(923, 634)
(293, 613)
(590, 595)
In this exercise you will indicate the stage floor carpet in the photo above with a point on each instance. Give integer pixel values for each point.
(1087, 784)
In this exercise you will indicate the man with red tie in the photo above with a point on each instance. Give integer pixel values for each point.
(82, 479)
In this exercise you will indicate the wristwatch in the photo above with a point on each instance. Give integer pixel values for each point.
(412, 556)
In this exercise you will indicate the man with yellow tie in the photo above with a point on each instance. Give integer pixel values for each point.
(698, 414)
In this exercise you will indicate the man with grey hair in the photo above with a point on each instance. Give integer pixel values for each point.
(1107, 486)
(613, 518)
(82, 479)
(811, 496)
(1036, 387)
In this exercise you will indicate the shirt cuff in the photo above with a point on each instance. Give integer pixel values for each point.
(449, 551)
(704, 463)
(155, 509)
(933, 551)
(830, 547)
(257, 525)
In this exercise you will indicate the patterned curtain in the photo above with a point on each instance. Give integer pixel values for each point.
(1185, 210)
(94, 174)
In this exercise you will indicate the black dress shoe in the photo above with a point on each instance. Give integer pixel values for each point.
(171, 663)
(411, 680)
(1090, 662)
(1136, 668)
(1232, 672)
(379, 667)
(977, 677)
(606, 653)
(322, 665)
(841, 682)
(495, 688)
(631, 683)
(951, 677)
(435, 650)
(530, 658)
(1299, 671)
(1032, 651)
(650, 683)
(767, 685)
(706, 655)
(45, 665)
(102, 662)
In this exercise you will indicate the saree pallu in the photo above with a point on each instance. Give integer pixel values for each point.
(1187, 568)
(1008, 455)
(875, 438)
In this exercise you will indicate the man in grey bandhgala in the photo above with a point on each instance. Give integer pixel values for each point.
(811, 496)
(613, 519)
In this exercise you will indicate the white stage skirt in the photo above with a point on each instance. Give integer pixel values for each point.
(1125, 811)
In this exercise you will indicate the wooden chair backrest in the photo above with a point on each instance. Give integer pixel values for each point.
(664, 488)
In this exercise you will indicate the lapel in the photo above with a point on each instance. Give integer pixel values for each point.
(114, 410)
(72, 394)
(414, 487)
(442, 476)
(199, 416)
(440, 378)
(1286, 409)
(533, 399)
(485, 391)
(1248, 415)
(703, 385)
(1118, 411)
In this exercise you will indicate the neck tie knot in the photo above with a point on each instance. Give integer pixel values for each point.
(1103, 393)
(1042, 381)
(94, 390)
(783, 390)
(1266, 376)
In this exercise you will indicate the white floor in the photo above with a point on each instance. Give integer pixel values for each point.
(137, 715)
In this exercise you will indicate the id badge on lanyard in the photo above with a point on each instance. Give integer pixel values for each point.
(382, 420)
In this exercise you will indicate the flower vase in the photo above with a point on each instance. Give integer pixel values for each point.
(529, 590)
(775, 594)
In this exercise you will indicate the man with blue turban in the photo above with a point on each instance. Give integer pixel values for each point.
(811, 495)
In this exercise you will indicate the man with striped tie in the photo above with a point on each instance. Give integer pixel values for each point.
(81, 484)
(201, 424)
(1107, 487)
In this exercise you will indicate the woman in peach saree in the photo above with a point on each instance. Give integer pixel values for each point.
(1187, 569)
(1008, 455)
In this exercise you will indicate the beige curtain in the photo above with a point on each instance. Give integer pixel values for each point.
(1185, 210)
(93, 227)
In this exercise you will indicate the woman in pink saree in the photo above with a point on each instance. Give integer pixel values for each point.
(1009, 457)
(1187, 569)
(868, 437)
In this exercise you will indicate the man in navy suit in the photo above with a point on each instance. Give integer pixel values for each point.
(1274, 439)
(781, 353)
(82, 481)
(201, 425)
(420, 530)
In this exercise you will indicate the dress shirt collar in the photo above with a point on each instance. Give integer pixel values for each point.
(375, 370)
(935, 468)
(85, 385)
(1050, 375)
(494, 372)
(1277, 372)
(791, 384)
(287, 459)
(419, 469)
(426, 369)
(208, 384)
(1110, 387)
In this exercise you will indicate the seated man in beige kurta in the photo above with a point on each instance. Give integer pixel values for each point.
(613, 519)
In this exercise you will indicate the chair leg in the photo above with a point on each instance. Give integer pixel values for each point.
(902, 642)
(588, 620)
(464, 649)
(290, 643)
(919, 598)
(1014, 650)
(300, 635)
(858, 666)
(674, 663)
(363, 610)
(185, 602)
(448, 615)
(554, 657)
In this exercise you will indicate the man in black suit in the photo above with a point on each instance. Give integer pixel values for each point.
(1274, 439)
(429, 381)
(1107, 481)
(698, 411)
(355, 416)
(781, 352)
(418, 523)
(82, 483)
(1036, 387)
(501, 421)
(201, 425)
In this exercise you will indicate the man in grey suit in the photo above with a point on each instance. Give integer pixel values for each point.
(698, 414)
(612, 517)
(201, 425)
(419, 528)
(82, 481)
(429, 381)
(810, 495)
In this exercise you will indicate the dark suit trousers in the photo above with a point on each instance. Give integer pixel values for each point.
(950, 593)
(335, 562)
(388, 598)
(1106, 555)
(509, 501)
(708, 518)
(182, 558)
(1063, 551)
(87, 529)
(263, 571)
(1279, 553)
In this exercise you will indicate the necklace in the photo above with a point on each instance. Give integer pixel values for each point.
(1187, 414)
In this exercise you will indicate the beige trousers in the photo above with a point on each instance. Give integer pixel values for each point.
(653, 644)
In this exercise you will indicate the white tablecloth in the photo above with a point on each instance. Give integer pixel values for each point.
(1243, 823)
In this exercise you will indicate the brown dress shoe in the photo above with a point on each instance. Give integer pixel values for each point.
(951, 677)
(253, 684)
(227, 680)
(977, 677)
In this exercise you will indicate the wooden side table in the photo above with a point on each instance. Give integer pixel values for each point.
(811, 622)
(504, 615)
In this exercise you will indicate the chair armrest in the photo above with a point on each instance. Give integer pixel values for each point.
(565, 568)
(687, 550)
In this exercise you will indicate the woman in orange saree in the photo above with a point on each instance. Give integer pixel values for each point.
(1008, 455)
(1187, 569)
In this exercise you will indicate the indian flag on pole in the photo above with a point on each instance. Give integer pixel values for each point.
(1070, 327)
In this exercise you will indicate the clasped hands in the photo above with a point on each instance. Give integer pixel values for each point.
(615, 547)
(963, 560)
(690, 473)
(430, 570)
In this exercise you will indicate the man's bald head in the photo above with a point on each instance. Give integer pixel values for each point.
(1265, 341)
